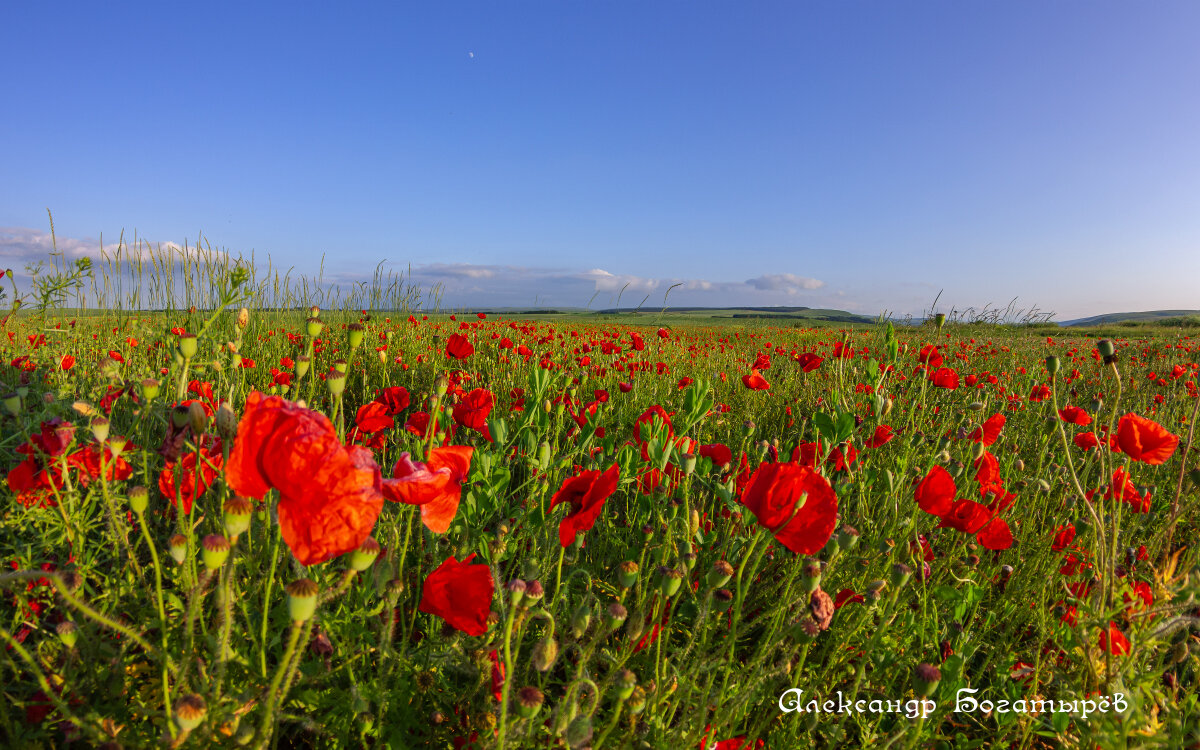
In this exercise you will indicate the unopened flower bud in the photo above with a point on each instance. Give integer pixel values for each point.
(545, 653)
(516, 591)
(533, 592)
(197, 418)
(581, 620)
(227, 422)
(579, 732)
(1053, 365)
(810, 575)
(67, 633)
(925, 680)
(243, 318)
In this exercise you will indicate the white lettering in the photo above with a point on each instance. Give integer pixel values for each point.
(960, 701)
(794, 705)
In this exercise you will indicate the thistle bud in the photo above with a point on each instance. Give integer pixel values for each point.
(529, 702)
(627, 574)
(365, 556)
(190, 711)
(188, 346)
(302, 599)
(139, 499)
(925, 680)
(214, 550)
(178, 547)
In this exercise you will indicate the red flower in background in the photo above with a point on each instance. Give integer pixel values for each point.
(809, 361)
(586, 494)
(461, 594)
(989, 431)
(773, 494)
(459, 347)
(882, 436)
(473, 410)
(1075, 415)
(191, 486)
(945, 378)
(1114, 641)
(435, 485)
(755, 381)
(329, 495)
(1144, 440)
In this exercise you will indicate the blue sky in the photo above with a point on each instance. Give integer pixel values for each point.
(856, 155)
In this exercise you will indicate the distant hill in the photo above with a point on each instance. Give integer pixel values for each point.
(740, 313)
(1150, 316)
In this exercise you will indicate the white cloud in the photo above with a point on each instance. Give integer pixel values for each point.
(788, 283)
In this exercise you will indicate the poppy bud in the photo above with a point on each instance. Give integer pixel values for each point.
(529, 701)
(635, 625)
(543, 454)
(365, 556)
(178, 546)
(978, 451)
(694, 522)
(614, 615)
(303, 362)
(236, 514)
(188, 346)
(747, 428)
(832, 546)
(1105, 348)
(179, 417)
(900, 574)
(302, 599)
(67, 633)
(314, 326)
(627, 574)
(579, 732)
(354, 333)
(581, 620)
(545, 653)
(197, 418)
(516, 591)
(227, 422)
(1053, 365)
(939, 320)
(534, 591)
(1005, 574)
(925, 680)
(689, 464)
(214, 550)
(189, 712)
(139, 498)
(336, 382)
(976, 406)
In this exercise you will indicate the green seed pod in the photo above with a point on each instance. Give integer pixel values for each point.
(579, 732)
(614, 615)
(178, 547)
(12, 404)
(365, 556)
(627, 574)
(139, 499)
(214, 550)
(529, 702)
(354, 334)
(303, 362)
(67, 633)
(626, 682)
(581, 620)
(336, 382)
(190, 711)
(302, 599)
(925, 680)
(313, 327)
(1053, 365)
(188, 346)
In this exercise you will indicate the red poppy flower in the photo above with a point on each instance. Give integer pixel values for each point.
(461, 594)
(966, 516)
(809, 361)
(1063, 536)
(435, 485)
(935, 494)
(211, 462)
(586, 494)
(995, 535)
(755, 381)
(373, 417)
(459, 347)
(775, 493)
(847, 596)
(473, 410)
(989, 431)
(1075, 415)
(395, 398)
(329, 495)
(1086, 440)
(1144, 440)
(1114, 641)
(882, 436)
(718, 453)
(67, 362)
(945, 378)
(638, 343)
(663, 333)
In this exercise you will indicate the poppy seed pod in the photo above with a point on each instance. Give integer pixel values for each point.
(669, 580)
(236, 515)
(197, 418)
(365, 556)
(925, 680)
(188, 346)
(354, 334)
(150, 388)
(190, 711)
(214, 550)
(939, 320)
(1053, 365)
(626, 682)
(901, 573)
(303, 362)
(614, 615)
(534, 591)
(302, 599)
(847, 537)
(67, 633)
(336, 382)
(177, 544)
(516, 591)
(627, 574)
(529, 701)
(313, 327)
(100, 427)
(810, 575)
(139, 499)
(722, 599)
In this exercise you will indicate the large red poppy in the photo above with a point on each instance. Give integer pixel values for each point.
(774, 494)
(1075, 415)
(1145, 440)
(459, 347)
(935, 493)
(809, 361)
(435, 485)
(461, 594)
(586, 494)
(989, 431)
(755, 381)
(473, 410)
(329, 495)
(211, 461)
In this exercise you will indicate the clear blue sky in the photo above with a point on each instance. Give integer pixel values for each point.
(857, 155)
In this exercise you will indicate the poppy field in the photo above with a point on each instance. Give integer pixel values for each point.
(373, 526)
